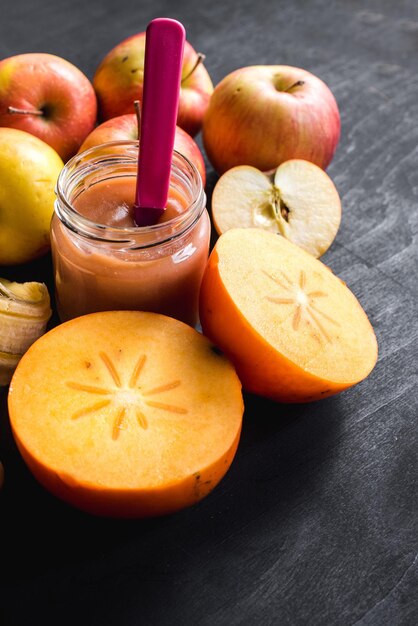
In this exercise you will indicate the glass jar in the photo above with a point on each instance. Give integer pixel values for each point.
(106, 267)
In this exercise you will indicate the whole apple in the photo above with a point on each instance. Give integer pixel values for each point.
(263, 115)
(29, 169)
(118, 83)
(125, 128)
(49, 97)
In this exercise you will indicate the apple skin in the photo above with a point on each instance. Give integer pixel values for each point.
(29, 169)
(263, 115)
(50, 84)
(125, 128)
(119, 78)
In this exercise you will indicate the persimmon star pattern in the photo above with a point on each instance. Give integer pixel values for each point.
(303, 302)
(125, 398)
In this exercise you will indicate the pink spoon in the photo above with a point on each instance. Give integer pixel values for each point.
(162, 75)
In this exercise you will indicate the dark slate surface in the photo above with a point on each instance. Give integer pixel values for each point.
(316, 522)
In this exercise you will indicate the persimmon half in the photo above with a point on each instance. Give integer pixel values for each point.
(126, 413)
(294, 331)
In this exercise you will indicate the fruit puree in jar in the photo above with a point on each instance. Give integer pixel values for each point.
(111, 202)
(117, 265)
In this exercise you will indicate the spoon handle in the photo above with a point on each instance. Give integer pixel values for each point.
(161, 90)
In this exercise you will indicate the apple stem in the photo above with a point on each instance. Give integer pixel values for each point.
(137, 106)
(24, 111)
(200, 58)
(298, 83)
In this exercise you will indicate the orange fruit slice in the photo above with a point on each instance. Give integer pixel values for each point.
(294, 331)
(126, 414)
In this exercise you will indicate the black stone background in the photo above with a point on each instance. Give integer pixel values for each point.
(316, 522)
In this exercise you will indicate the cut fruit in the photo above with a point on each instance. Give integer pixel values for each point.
(24, 314)
(126, 414)
(294, 331)
(299, 201)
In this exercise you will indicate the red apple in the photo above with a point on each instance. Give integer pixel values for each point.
(118, 83)
(125, 128)
(49, 97)
(266, 114)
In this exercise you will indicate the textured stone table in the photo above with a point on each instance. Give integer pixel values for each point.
(317, 521)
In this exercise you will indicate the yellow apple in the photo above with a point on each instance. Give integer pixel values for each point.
(29, 169)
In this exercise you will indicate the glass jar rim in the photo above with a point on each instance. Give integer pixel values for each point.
(84, 163)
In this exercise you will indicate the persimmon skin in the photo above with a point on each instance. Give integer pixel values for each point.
(131, 503)
(263, 369)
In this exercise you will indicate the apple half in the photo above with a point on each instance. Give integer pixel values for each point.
(298, 201)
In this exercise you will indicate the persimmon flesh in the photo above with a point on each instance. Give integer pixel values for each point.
(294, 331)
(126, 413)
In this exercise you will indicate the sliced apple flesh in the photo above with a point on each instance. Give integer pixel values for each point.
(298, 201)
